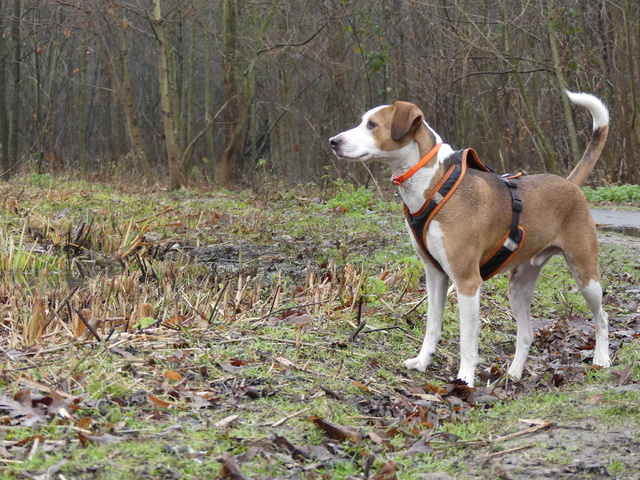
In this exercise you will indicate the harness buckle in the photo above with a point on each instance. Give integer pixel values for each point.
(516, 204)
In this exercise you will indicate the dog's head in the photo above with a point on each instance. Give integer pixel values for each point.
(386, 132)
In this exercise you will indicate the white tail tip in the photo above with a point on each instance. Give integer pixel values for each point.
(594, 105)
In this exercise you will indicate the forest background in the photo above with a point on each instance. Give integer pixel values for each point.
(230, 91)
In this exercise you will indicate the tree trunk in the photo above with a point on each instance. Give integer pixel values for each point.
(83, 161)
(557, 70)
(14, 114)
(5, 162)
(187, 105)
(128, 104)
(230, 157)
(175, 81)
(208, 104)
(229, 67)
(176, 179)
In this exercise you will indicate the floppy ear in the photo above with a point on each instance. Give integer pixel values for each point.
(406, 117)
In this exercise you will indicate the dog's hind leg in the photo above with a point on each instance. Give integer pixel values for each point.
(583, 261)
(437, 283)
(592, 294)
(522, 280)
(585, 271)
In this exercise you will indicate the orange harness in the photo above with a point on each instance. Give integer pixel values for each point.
(419, 221)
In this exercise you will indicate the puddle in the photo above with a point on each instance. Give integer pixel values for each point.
(626, 222)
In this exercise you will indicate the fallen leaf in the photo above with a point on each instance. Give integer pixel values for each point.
(28, 440)
(361, 386)
(387, 472)
(335, 431)
(248, 455)
(622, 377)
(375, 437)
(285, 362)
(104, 439)
(227, 367)
(230, 468)
(449, 437)
(295, 452)
(27, 415)
(84, 423)
(50, 471)
(330, 392)
(157, 401)
(419, 447)
(172, 375)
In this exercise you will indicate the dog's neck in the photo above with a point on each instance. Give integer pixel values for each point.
(417, 188)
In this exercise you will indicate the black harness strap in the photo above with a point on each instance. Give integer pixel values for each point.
(513, 242)
(419, 221)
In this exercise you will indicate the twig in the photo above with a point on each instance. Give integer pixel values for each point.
(507, 452)
(395, 327)
(415, 307)
(541, 425)
(200, 314)
(289, 417)
(62, 304)
(34, 449)
(361, 324)
(284, 309)
(166, 210)
(225, 421)
(88, 325)
(275, 297)
(214, 310)
(358, 329)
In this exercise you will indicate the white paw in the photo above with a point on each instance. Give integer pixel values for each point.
(515, 373)
(602, 360)
(416, 364)
(467, 377)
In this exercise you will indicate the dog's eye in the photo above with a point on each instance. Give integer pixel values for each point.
(371, 124)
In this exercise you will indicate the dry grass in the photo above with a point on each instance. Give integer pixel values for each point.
(207, 322)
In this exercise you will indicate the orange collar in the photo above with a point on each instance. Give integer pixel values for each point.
(402, 178)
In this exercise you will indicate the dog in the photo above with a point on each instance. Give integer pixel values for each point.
(466, 230)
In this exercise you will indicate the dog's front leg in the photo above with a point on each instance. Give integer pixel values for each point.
(437, 283)
(469, 305)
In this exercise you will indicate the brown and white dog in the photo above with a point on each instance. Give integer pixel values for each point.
(467, 228)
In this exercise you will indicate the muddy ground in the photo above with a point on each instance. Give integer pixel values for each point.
(581, 447)
(575, 445)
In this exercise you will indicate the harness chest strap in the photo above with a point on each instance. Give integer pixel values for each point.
(419, 221)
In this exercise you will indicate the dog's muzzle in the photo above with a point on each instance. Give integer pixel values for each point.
(335, 142)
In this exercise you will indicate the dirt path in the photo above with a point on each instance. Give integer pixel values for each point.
(577, 445)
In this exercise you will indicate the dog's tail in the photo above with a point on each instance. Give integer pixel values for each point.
(600, 116)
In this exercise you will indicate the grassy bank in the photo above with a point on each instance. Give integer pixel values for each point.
(197, 334)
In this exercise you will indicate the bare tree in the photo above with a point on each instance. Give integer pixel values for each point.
(176, 180)
(217, 87)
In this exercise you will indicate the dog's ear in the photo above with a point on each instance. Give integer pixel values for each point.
(406, 117)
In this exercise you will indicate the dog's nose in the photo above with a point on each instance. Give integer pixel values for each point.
(335, 141)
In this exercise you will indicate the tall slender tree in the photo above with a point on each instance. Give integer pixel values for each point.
(176, 179)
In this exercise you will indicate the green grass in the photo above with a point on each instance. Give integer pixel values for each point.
(341, 238)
